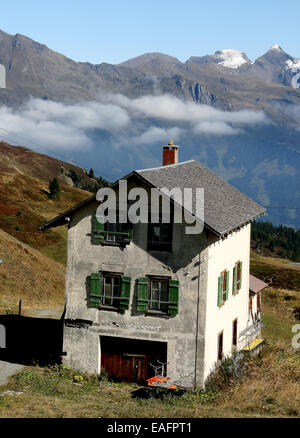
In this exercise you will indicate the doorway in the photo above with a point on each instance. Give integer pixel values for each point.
(131, 359)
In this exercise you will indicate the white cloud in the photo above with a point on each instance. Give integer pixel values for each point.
(158, 135)
(144, 120)
(170, 108)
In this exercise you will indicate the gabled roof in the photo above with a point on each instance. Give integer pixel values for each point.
(225, 207)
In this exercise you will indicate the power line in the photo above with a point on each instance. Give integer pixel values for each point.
(53, 152)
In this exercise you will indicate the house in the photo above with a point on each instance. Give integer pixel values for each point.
(147, 293)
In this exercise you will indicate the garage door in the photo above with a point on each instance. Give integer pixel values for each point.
(130, 359)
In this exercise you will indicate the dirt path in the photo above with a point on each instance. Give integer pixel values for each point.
(8, 369)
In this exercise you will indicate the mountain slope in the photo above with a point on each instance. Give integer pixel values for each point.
(24, 201)
(28, 275)
(263, 161)
(35, 70)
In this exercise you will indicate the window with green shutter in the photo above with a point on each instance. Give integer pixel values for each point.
(220, 290)
(239, 275)
(97, 230)
(142, 296)
(109, 291)
(173, 297)
(95, 290)
(227, 286)
(234, 288)
(223, 287)
(125, 293)
(111, 233)
(158, 295)
(237, 278)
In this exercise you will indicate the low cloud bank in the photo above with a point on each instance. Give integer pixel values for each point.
(144, 120)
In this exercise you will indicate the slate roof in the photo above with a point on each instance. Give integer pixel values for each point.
(225, 207)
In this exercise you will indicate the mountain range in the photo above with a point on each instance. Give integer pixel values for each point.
(262, 159)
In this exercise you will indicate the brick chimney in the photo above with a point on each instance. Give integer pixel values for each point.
(170, 154)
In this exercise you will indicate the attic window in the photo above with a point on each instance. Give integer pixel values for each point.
(111, 233)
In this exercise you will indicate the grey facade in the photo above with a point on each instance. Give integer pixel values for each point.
(184, 334)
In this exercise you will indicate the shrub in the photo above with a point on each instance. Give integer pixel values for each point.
(54, 188)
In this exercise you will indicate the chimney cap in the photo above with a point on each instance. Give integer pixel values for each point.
(171, 144)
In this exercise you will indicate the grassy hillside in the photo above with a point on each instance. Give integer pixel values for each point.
(28, 275)
(24, 201)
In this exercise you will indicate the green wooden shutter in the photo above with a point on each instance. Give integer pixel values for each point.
(95, 290)
(239, 285)
(128, 228)
(220, 290)
(234, 279)
(173, 297)
(227, 285)
(142, 299)
(125, 293)
(97, 230)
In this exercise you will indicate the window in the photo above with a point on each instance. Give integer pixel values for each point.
(220, 346)
(111, 233)
(234, 334)
(237, 277)
(158, 295)
(160, 237)
(223, 284)
(109, 290)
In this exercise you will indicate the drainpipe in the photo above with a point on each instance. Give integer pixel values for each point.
(197, 319)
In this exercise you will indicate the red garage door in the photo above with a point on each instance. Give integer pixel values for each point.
(130, 359)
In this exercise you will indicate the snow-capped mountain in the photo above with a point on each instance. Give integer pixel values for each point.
(276, 66)
(293, 68)
(231, 58)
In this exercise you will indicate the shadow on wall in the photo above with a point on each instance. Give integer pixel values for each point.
(31, 340)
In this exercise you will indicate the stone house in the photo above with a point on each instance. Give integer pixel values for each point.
(147, 292)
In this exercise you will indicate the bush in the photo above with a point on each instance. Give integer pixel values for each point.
(54, 188)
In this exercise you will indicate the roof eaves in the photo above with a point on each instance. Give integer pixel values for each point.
(242, 223)
(61, 218)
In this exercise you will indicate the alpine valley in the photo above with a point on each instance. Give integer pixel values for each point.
(238, 117)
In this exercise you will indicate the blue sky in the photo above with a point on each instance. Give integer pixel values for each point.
(113, 31)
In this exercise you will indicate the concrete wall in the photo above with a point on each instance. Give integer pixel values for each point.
(223, 255)
(196, 261)
(186, 263)
(2, 76)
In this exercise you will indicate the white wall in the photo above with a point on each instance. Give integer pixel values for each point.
(223, 255)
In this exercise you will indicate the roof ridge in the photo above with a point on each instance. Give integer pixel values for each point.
(164, 167)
